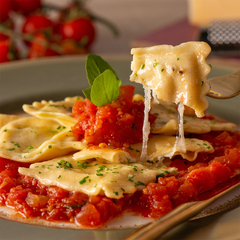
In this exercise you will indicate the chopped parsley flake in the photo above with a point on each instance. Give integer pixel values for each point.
(99, 174)
(11, 149)
(116, 193)
(138, 183)
(83, 180)
(83, 165)
(101, 168)
(160, 175)
(64, 164)
(131, 178)
(143, 66)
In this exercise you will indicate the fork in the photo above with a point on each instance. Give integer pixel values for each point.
(225, 86)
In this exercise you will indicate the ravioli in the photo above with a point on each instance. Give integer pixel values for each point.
(167, 121)
(109, 155)
(4, 119)
(31, 139)
(158, 147)
(95, 178)
(174, 74)
(60, 110)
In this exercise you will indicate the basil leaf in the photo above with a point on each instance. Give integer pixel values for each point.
(95, 66)
(105, 88)
(87, 93)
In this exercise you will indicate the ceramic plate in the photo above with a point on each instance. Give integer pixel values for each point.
(56, 78)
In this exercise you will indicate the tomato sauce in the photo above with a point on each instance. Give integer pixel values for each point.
(117, 124)
(30, 198)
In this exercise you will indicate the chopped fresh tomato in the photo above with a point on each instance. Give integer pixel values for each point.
(117, 124)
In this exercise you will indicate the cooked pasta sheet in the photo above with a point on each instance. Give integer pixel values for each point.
(93, 177)
(30, 139)
(167, 121)
(4, 119)
(174, 74)
(158, 146)
(59, 111)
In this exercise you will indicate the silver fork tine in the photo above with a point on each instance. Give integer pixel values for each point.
(226, 86)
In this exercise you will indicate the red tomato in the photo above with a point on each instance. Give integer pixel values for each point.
(26, 6)
(35, 23)
(5, 8)
(37, 50)
(78, 29)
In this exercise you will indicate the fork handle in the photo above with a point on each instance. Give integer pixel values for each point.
(167, 222)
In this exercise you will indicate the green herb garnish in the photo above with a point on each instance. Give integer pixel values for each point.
(64, 164)
(115, 192)
(83, 165)
(83, 180)
(104, 83)
(138, 183)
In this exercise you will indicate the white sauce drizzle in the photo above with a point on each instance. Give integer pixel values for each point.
(146, 123)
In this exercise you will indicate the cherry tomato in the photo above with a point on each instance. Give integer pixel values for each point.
(7, 51)
(35, 23)
(26, 6)
(80, 29)
(38, 50)
(5, 8)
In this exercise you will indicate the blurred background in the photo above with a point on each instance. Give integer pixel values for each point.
(44, 28)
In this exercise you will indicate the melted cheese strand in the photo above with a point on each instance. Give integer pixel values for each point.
(180, 143)
(146, 123)
(180, 139)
